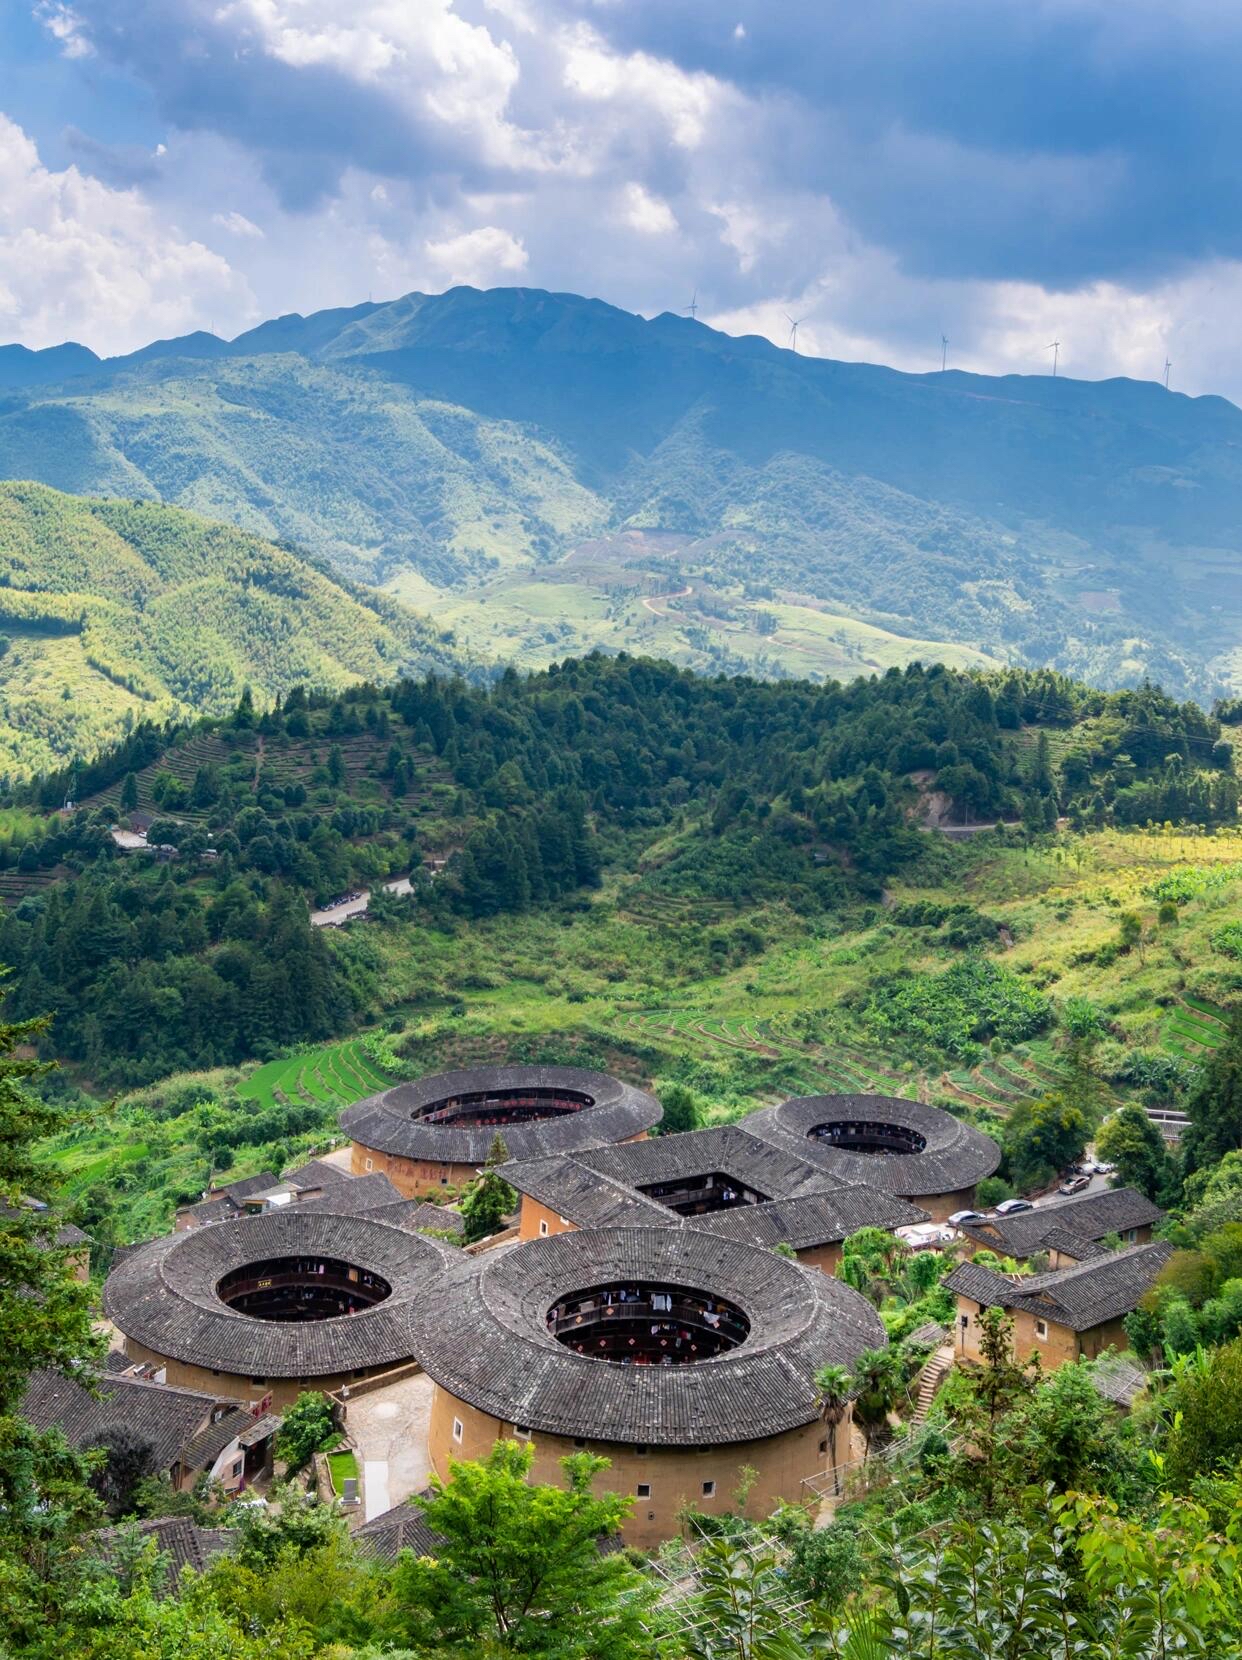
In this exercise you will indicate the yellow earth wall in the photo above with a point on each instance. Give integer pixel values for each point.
(676, 1476)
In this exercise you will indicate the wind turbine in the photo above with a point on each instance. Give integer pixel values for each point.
(795, 324)
(1167, 367)
(693, 308)
(1054, 346)
(944, 352)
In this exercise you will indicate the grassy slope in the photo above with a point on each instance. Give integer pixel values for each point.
(632, 982)
(118, 611)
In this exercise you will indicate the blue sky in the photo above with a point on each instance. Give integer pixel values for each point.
(1004, 172)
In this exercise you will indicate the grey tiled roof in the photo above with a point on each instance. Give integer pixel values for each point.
(1089, 1215)
(815, 1219)
(183, 1542)
(1086, 1295)
(386, 1121)
(353, 1197)
(955, 1155)
(226, 1201)
(208, 1444)
(401, 1528)
(1071, 1244)
(486, 1340)
(170, 1419)
(164, 1296)
(317, 1173)
(596, 1188)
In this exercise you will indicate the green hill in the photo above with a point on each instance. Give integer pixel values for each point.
(116, 612)
(457, 448)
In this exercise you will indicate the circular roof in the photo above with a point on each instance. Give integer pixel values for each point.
(953, 1155)
(486, 1341)
(164, 1295)
(389, 1122)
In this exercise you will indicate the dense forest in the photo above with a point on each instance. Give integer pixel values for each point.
(515, 796)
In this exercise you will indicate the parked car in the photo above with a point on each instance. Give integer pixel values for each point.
(1011, 1207)
(961, 1216)
(1075, 1184)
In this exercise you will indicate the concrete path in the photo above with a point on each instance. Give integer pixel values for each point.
(375, 1487)
(389, 1429)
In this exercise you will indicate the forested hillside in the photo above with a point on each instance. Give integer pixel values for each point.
(115, 613)
(522, 795)
(448, 444)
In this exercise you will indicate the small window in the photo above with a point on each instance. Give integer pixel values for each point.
(458, 1430)
(370, 1164)
(823, 1446)
(522, 1431)
(237, 1468)
(965, 1321)
(1131, 1236)
(443, 1181)
(709, 1489)
(258, 1380)
(644, 1489)
(579, 1441)
(640, 1451)
(1041, 1330)
(543, 1230)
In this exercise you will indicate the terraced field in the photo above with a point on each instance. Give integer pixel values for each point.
(1193, 1029)
(339, 1072)
(999, 1084)
(286, 761)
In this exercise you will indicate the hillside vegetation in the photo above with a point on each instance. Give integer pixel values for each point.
(114, 613)
(709, 795)
(446, 444)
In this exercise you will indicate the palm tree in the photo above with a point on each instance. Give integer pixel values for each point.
(876, 1382)
(833, 1386)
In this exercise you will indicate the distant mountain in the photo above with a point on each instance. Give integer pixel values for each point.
(117, 611)
(477, 438)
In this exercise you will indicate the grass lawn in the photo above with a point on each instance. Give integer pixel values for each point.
(343, 1466)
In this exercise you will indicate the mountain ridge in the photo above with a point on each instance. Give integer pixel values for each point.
(443, 444)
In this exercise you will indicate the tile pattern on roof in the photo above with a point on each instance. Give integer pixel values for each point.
(384, 1121)
(170, 1419)
(1090, 1215)
(485, 1340)
(1088, 1294)
(955, 1156)
(164, 1296)
(596, 1188)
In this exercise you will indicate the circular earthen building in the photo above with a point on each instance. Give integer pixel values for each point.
(267, 1306)
(884, 1142)
(435, 1134)
(682, 1357)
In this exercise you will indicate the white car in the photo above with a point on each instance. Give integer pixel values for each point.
(1011, 1207)
(960, 1217)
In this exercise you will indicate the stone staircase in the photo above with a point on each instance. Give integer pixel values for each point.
(936, 1370)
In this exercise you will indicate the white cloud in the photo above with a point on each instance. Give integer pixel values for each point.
(477, 258)
(683, 102)
(81, 261)
(237, 225)
(645, 212)
(66, 27)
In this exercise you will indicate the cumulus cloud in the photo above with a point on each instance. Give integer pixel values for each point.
(999, 173)
(79, 260)
(477, 258)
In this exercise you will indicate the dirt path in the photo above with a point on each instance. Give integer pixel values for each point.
(652, 600)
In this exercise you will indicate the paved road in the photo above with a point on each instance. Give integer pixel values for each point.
(335, 914)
